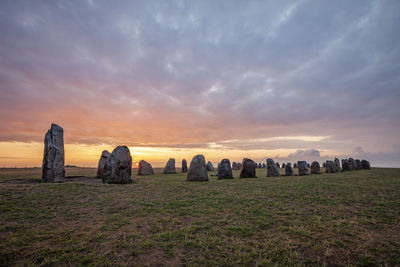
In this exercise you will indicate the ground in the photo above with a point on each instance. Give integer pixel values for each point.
(349, 218)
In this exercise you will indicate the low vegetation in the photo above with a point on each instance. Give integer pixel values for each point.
(349, 218)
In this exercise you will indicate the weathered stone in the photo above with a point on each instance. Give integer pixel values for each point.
(365, 164)
(323, 164)
(259, 165)
(308, 165)
(197, 169)
(346, 165)
(352, 163)
(303, 168)
(239, 165)
(264, 165)
(277, 165)
(283, 165)
(272, 168)
(53, 157)
(295, 165)
(219, 166)
(102, 161)
(145, 168)
(337, 162)
(184, 166)
(358, 163)
(210, 166)
(224, 170)
(118, 167)
(315, 168)
(234, 166)
(248, 169)
(169, 167)
(289, 170)
(330, 167)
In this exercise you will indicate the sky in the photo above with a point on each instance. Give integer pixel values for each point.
(289, 80)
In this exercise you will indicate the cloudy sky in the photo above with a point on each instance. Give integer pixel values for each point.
(283, 79)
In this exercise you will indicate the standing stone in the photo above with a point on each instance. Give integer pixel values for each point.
(323, 164)
(248, 169)
(303, 169)
(210, 166)
(289, 170)
(272, 168)
(330, 167)
(145, 168)
(184, 166)
(53, 156)
(118, 167)
(315, 168)
(102, 161)
(337, 162)
(365, 164)
(259, 165)
(353, 164)
(197, 169)
(295, 165)
(264, 165)
(283, 165)
(169, 167)
(224, 170)
(234, 165)
(308, 165)
(358, 163)
(345, 165)
(277, 165)
(219, 166)
(239, 165)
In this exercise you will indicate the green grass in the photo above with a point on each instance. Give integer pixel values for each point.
(350, 218)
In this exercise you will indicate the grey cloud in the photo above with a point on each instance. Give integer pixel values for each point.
(280, 68)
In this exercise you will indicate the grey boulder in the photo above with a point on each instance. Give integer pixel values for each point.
(303, 167)
(102, 162)
(118, 167)
(272, 168)
(225, 170)
(145, 168)
(169, 167)
(197, 169)
(289, 170)
(184, 166)
(315, 168)
(210, 166)
(248, 169)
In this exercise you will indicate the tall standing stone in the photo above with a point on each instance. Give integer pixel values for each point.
(337, 162)
(315, 168)
(53, 156)
(259, 165)
(323, 164)
(295, 165)
(345, 165)
(169, 167)
(248, 169)
(210, 166)
(272, 168)
(264, 165)
(303, 168)
(277, 165)
(197, 169)
(234, 165)
(184, 166)
(283, 165)
(289, 170)
(118, 167)
(145, 168)
(102, 161)
(224, 170)
(365, 164)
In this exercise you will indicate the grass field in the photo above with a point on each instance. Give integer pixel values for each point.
(350, 218)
